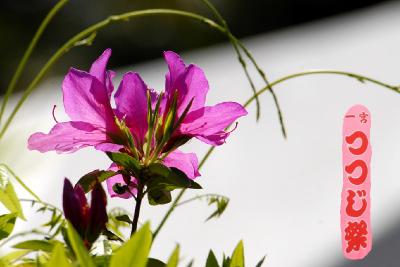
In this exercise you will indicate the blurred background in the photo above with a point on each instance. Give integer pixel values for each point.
(143, 39)
(285, 194)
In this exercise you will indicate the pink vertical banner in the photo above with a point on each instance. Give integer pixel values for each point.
(355, 207)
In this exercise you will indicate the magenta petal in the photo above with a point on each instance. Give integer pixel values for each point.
(208, 124)
(131, 102)
(190, 82)
(176, 67)
(67, 137)
(108, 147)
(98, 68)
(86, 99)
(119, 179)
(194, 86)
(186, 162)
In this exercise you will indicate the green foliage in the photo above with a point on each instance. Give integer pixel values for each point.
(36, 245)
(174, 258)
(237, 259)
(7, 222)
(8, 197)
(221, 203)
(211, 260)
(114, 220)
(89, 180)
(58, 257)
(78, 247)
(130, 164)
(260, 263)
(155, 263)
(135, 251)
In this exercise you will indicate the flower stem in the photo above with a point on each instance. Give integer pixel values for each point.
(28, 52)
(136, 213)
(358, 77)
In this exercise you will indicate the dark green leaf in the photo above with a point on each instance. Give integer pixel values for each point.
(135, 251)
(155, 263)
(260, 263)
(129, 163)
(89, 180)
(211, 260)
(159, 197)
(237, 259)
(111, 236)
(102, 261)
(226, 261)
(35, 245)
(7, 222)
(190, 264)
(123, 218)
(162, 177)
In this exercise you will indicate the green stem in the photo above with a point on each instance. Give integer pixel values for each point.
(88, 33)
(200, 197)
(19, 180)
(238, 44)
(28, 52)
(251, 99)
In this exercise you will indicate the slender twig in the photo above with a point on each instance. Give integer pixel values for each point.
(89, 33)
(28, 52)
(200, 197)
(42, 203)
(358, 77)
(235, 45)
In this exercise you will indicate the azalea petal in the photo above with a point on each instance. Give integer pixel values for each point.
(208, 124)
(186, 162)
(176, 67)
(194, 86)
(119, 179)
(67, 137)
(86, 99)
(190, 82)
(98, 68)
(108, 147)
(131, 102)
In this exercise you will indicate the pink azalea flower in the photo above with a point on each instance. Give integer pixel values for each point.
(148, 133)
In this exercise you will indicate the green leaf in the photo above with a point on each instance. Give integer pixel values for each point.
(89, 180)
(155, 263)
(124, 218)
(8, 196)
(174, 258)
(162, 177)
(159, 197)
(35, 245)
(79, 249)
(237, 259)
(135, 251)
(7, 222)
(130, 164)
(58, 257)
(221, 202)
(211, 260)
(260, 263)
(9, 258)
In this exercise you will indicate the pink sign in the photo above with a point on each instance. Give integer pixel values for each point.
(355, 207)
